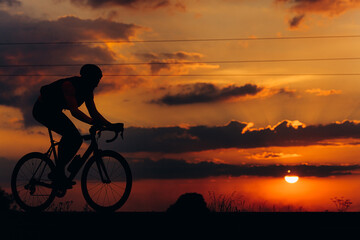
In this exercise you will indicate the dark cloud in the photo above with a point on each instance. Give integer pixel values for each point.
(175, 61)
(21, 92)
(135, 4)
(24, 29)
(295, 21)
(206, 93)
(325, 7)
(11, 3)
(175, 169)
(233, 135)
(145, 168)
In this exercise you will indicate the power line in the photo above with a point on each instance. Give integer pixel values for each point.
(179, 40)
(188, 62)
(191, 75)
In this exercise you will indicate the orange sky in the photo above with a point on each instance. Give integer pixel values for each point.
(154, 102)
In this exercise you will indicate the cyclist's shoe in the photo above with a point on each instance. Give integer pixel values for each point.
(64, 183)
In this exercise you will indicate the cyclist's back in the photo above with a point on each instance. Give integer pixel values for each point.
(53, 96)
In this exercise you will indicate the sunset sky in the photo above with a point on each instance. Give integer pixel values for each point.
(290, 96)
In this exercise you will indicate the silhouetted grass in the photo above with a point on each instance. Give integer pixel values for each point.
(224, 203)
(65, 206)
(238, 203)
(341, 204)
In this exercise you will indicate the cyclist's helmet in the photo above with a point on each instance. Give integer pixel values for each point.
(92, 73)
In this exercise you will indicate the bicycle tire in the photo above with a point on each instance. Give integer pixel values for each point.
(47, 197)
(86, 180)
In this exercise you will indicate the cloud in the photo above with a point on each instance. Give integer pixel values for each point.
(175, 169)
(320, 92)
(21, 92)
(179, 62)
(207, 93)
(134, 4)
(11, 3)
(295, 21)
(145, 168)
(234, 135)
(328, 8)
(273, 155)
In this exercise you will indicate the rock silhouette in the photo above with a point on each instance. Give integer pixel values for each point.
(189, 203)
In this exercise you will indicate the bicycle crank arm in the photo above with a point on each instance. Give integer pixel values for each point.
(48, 185)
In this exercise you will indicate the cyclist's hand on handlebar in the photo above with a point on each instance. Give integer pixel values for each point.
(117, 128)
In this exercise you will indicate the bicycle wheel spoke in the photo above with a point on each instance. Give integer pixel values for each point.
(114, 192)
(99, 191)
(116, 185)
(96, 185)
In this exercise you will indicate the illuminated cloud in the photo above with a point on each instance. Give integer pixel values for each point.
(320, 92)
(207, 93)
(179, 62)
(233, 135)
(273, 155)
(328, 8)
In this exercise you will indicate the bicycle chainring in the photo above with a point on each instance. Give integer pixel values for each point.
(60, 192)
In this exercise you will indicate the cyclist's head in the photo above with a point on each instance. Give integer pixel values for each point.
(92, 73)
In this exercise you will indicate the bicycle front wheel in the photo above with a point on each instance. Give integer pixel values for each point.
(30, 184)
(106, 181)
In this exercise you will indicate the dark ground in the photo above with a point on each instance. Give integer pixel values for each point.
(133, 225)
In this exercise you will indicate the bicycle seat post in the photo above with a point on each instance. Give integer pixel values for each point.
(51, 137)
(52, 147)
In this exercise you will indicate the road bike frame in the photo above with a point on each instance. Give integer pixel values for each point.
(93, 148)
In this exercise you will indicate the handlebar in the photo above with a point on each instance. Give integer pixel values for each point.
(116, 128)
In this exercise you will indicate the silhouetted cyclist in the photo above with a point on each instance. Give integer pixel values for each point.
(69, 93)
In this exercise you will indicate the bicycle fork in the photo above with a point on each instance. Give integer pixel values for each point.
(102, 170)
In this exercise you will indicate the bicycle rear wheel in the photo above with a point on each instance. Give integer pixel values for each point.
(30, 184)
(106, 181)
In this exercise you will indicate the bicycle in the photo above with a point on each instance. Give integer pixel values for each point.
(106, 178)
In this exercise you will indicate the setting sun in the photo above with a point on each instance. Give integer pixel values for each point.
(291, 179)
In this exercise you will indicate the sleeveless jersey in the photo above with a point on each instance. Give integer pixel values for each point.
(53, 95)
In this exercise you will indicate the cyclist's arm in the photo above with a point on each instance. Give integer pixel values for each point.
(70, 99)
(94, 113)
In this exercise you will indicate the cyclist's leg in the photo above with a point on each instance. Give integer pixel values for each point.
(70, 142)
(58, 122)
